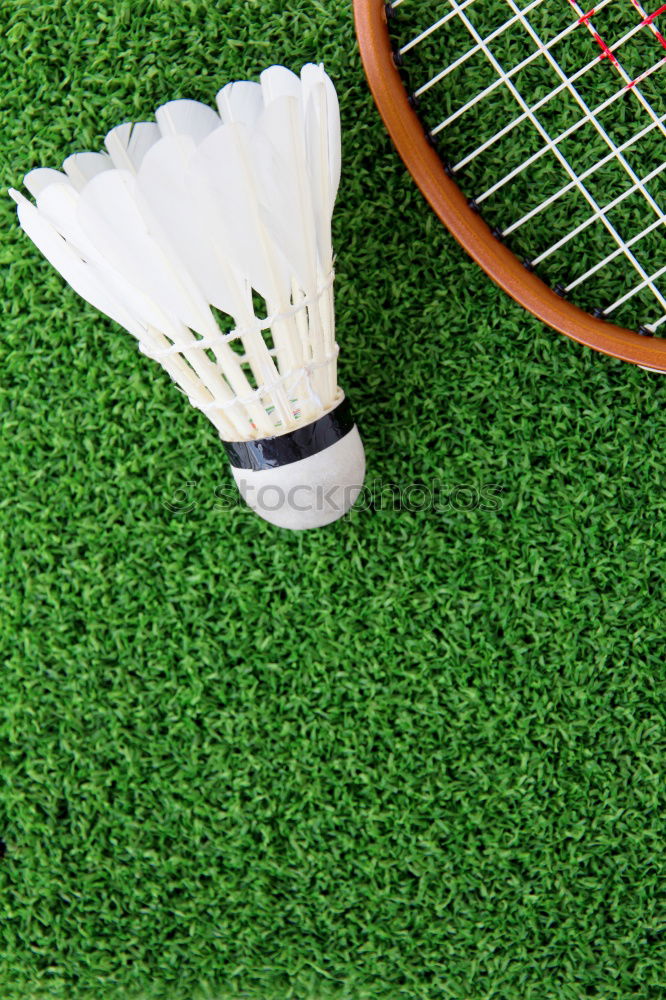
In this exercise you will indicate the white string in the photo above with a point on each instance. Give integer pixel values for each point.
(514, 72)
(648, 20)
(558, 90)
(637, 184)
(629, 83)
(470, 52)
(264, 390)
(637, 288)
(612, 256)
(588, 173)
(592, 218)
(567, 83)
(240, 332)
(433, 27)
(271, 387)
(553, 148)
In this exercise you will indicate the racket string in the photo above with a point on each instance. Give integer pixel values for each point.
(553, 148)
(630, 84)
(457, 10)
(514, 71)
(544, 49)
(581, 227)
(637, 184)
(627, 144)
(566, 134)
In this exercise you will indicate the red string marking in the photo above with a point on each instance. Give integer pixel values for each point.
(650, 19)
(653, 17)
(605, 51)
(585, 19)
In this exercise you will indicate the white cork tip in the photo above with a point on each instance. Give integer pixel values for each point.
(309, 493)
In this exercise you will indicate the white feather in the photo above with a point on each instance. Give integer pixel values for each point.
(64, 259)
(110, 215)
(241, 101)
(224, 180)
(128, 143)
(82, 167)
(322, 120)
(39, 179)
(322, 136)
(278, 81)
(95, 289)
(187, 118)
(198, 210)
(162, 183)
(58, 204)
(282, 168)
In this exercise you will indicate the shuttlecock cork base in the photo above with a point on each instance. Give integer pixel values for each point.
(306, 478)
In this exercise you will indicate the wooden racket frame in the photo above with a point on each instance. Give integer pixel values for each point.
(451, 206)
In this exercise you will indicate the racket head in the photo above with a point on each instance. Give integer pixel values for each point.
(452, 207)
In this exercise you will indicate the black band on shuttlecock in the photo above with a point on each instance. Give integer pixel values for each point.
(272, 452)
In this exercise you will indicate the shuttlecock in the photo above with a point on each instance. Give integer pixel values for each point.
(207, 235)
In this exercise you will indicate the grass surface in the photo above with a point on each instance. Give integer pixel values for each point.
(419, 754)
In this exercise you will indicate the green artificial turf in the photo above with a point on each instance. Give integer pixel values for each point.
(418, 754)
